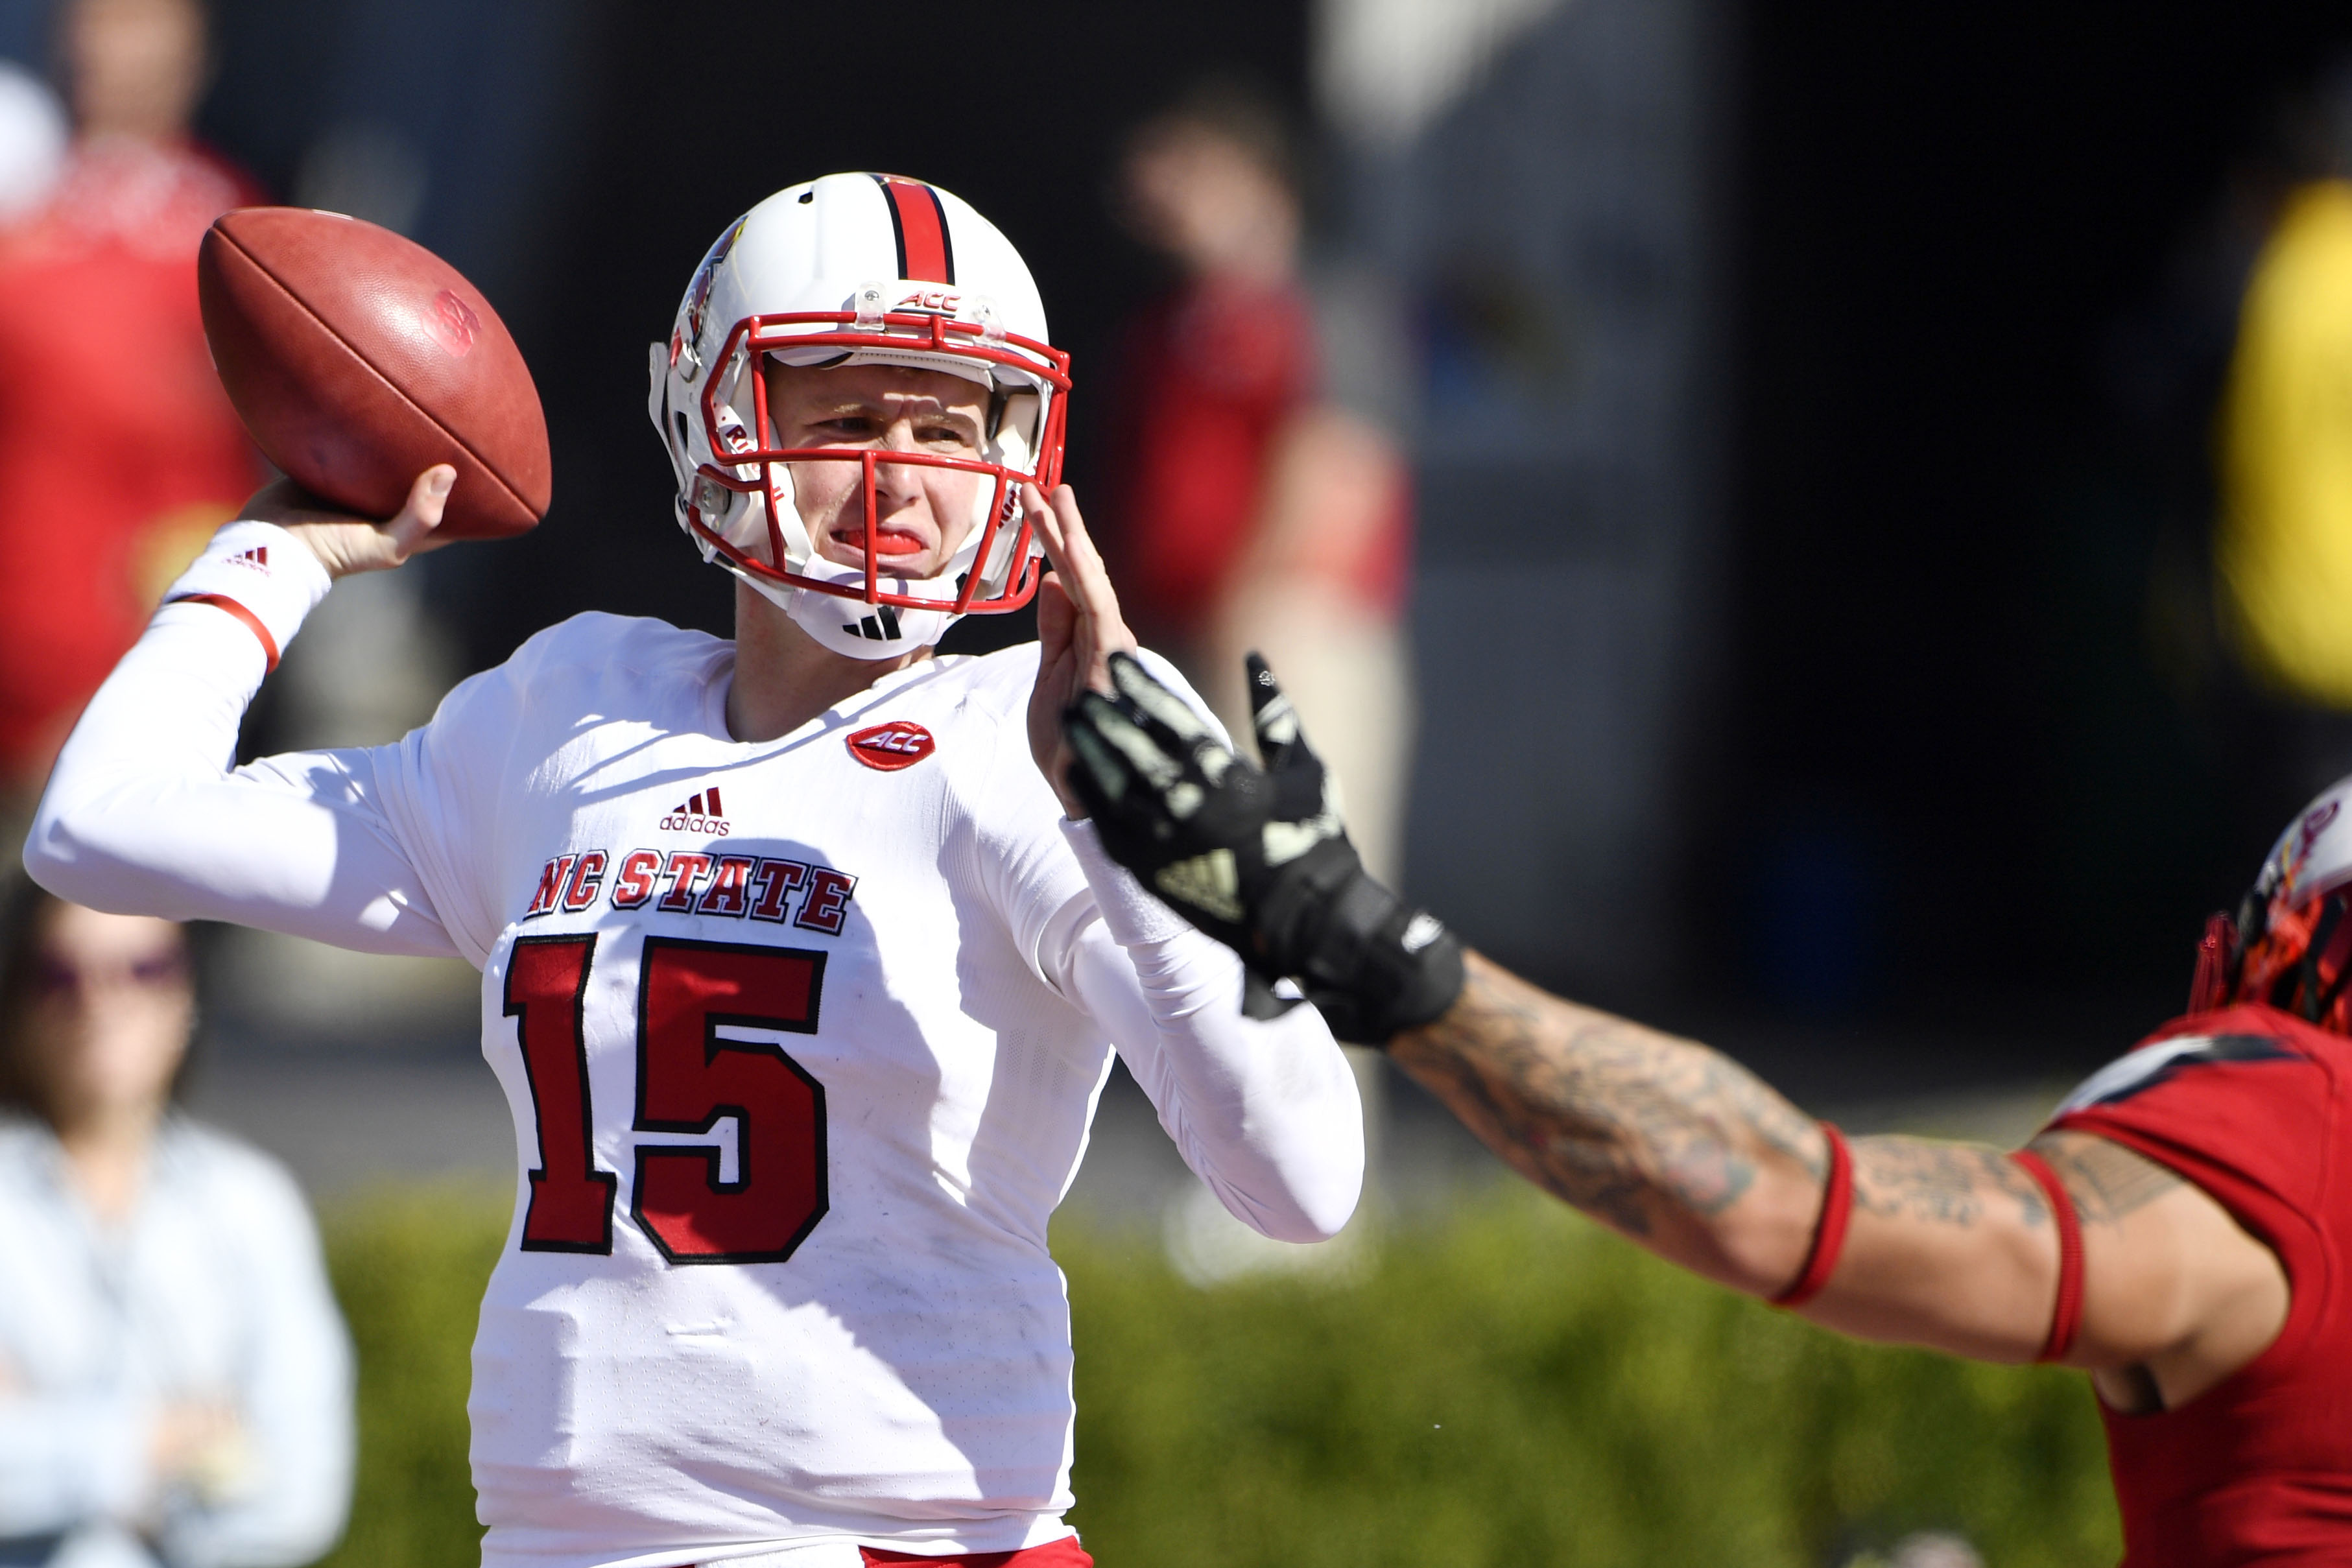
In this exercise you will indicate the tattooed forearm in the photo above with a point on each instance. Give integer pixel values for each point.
(2106, 1180)
(1612, 1118)
(1950, 1184)
(1951, 1245)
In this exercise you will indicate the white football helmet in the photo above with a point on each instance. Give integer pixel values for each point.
(858, 269)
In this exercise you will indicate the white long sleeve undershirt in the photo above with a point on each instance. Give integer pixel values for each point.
(145, 815)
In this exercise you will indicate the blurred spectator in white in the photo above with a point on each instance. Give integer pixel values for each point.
(1249, 510)
(175, 1382)
(32, 143)
(119, 454)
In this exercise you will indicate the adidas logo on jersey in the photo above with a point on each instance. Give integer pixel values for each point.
(256, 559)
(882, 626)
(702, 813)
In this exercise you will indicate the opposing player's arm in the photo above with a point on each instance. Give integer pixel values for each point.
(2176, 1294)
(1664, 1140)
(1947, 1244)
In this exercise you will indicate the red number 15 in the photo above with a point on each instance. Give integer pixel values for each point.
(687, 1079)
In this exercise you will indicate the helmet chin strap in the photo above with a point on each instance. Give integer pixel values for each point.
(851, 626)
(855, 627)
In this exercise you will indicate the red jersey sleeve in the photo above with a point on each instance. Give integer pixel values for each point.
(2246, 1093)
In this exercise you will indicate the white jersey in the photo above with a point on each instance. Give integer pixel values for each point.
(802, 1039)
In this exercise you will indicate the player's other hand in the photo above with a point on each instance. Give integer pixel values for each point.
(344, 543)
(1078, 630)
(1256, 856)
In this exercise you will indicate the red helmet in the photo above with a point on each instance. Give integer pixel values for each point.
(2290, 945)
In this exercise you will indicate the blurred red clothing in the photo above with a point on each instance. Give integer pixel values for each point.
(119, 452)
(1206, 379)
(1251, 511)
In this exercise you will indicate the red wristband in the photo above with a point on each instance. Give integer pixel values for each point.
(2066, 1315)
(252, 621)
(1829, 1231)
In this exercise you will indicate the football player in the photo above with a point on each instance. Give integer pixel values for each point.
(2174, 1230)
(799, 982)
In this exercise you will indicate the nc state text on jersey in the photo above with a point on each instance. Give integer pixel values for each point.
(691, 881)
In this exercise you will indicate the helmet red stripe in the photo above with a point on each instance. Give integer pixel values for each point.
(921, 222)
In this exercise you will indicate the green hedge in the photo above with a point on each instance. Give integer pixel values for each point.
(409, 1267)
(1515, 1387)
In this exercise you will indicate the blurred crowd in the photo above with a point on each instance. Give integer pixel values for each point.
(1252, 510)
(110, 414)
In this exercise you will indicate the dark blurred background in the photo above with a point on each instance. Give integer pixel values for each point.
(1978, 741)
(1808, 406)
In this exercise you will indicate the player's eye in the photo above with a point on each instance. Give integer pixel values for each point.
(849, 427)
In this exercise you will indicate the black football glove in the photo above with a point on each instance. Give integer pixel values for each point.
(1258, 859)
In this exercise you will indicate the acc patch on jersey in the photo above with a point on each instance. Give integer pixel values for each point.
(892, 746)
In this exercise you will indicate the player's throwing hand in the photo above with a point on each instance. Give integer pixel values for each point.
(1258, 859)
(345, 544)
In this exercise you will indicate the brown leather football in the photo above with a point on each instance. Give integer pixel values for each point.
(358, 359)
